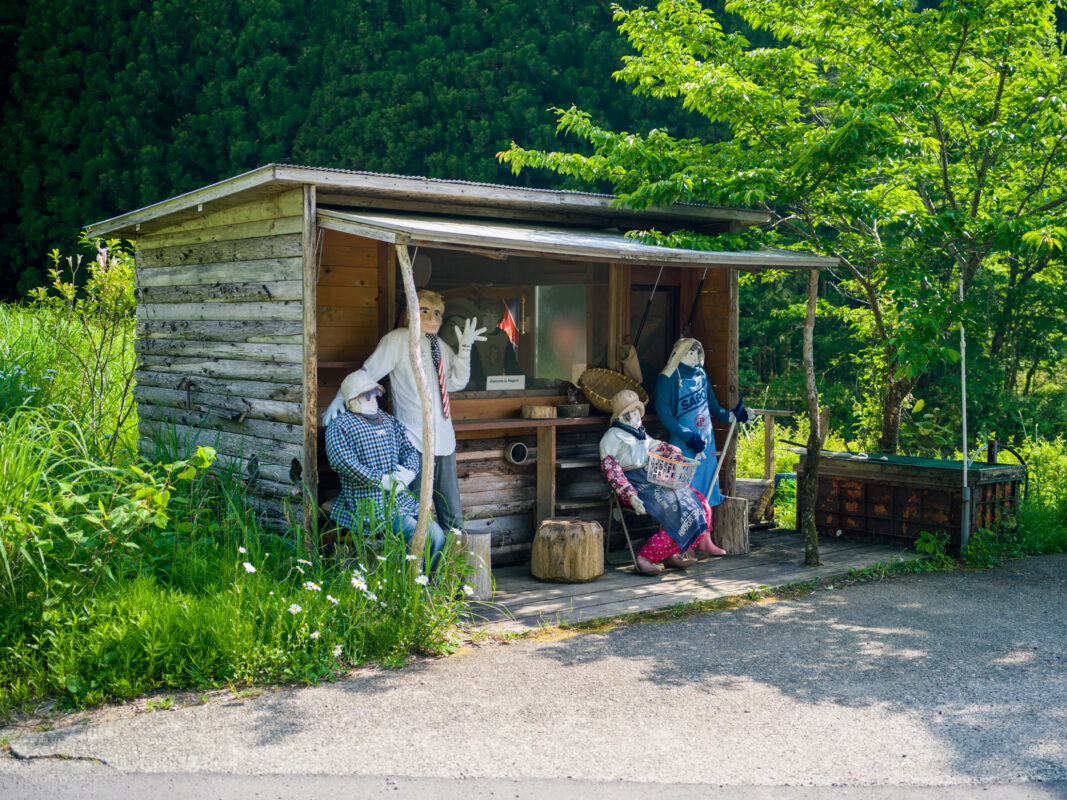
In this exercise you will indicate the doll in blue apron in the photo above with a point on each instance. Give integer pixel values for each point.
(686, 404)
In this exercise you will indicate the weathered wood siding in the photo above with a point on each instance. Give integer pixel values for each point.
(220, 341)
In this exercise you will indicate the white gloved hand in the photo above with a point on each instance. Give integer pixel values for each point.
(390, 481)
(733, 418)
(470, 334)
(637, 505)
(335, 408)
(404, 475)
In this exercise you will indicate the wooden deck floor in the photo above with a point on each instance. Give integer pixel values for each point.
(776, 559)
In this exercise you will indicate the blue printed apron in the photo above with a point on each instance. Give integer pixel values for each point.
(677, 510)
(693, 413)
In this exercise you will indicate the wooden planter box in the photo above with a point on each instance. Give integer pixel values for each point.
(901, 496)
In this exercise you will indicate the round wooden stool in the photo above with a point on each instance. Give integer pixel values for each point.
(568, 551)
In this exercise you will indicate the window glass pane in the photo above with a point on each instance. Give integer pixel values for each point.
(560, 320)
(546, 319)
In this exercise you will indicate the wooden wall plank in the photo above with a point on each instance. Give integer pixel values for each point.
(262, 269)
(287, 310)
(259, 291)
(347, 276)
(262, 249)
(261, 408)
(361, 316)
(275, 473)
(242, 230)
(346, 343)
(267, 451)
(258, 428)
(241, 330)
(223, 368)
(246, 351)
(283, 204)
(281, 392)
(346, 297)
(340, 248)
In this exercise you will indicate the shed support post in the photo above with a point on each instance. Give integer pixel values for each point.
(418, 540)
(310, 455)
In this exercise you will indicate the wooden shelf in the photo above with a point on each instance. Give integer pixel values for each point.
(520, 423)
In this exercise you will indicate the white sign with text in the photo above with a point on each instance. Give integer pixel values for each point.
(499, 383)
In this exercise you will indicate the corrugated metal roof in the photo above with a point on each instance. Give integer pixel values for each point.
(517, 238)
(274, 178)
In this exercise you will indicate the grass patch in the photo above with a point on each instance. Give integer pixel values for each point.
(121, 576)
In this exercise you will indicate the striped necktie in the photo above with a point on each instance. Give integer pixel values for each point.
(435, 351)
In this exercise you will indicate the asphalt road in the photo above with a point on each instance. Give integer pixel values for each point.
(940, 685)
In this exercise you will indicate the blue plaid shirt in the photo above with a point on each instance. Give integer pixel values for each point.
(361, 451)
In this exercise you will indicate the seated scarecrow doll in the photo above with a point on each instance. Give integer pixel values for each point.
(683, 513)
(371, 453)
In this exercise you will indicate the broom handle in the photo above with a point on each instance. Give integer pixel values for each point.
(725, 447)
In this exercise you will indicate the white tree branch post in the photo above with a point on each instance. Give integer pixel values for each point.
(418, 540)
(808, 491)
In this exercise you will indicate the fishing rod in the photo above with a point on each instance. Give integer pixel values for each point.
(696, 302)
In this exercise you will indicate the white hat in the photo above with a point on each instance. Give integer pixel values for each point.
(357, 383)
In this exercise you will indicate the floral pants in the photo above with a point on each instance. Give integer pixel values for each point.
(662, 546)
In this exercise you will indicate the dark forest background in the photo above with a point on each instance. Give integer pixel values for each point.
(114, 105)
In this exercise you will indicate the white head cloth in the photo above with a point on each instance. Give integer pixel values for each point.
(681, 347)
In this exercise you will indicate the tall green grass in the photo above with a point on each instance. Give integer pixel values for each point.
(120, 575)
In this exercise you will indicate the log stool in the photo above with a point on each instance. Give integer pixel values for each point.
(730, 531)
(568, 551)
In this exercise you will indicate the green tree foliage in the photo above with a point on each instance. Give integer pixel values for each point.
(115, 105)
(919, 147)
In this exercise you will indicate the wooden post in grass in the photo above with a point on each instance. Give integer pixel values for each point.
(418, 540)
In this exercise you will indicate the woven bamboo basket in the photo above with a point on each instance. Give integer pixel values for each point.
(600, 385)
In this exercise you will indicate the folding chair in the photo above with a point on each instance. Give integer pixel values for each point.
(615, 506)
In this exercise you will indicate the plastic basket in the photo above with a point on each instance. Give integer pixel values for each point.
(674, 473)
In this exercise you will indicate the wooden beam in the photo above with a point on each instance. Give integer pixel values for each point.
(546, 474)
(732, 354)
(311, 369)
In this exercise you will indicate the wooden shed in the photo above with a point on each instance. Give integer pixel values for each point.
(258, 294)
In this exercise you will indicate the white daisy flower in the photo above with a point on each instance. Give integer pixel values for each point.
(337, 651)
(332, 599)
(422, 580)
(241, 550)
(311, 586)
(315, 635)
(468, 590)
(295, 609)
(248, 567)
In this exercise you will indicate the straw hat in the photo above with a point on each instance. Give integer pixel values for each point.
(625, 401)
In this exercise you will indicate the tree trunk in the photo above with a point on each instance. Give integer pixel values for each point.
(422, 526)
(808, 490)
(892, 407)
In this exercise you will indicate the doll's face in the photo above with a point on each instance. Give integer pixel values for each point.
(632, 418)
(430, 315)
(366, 404)
(694, 357)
